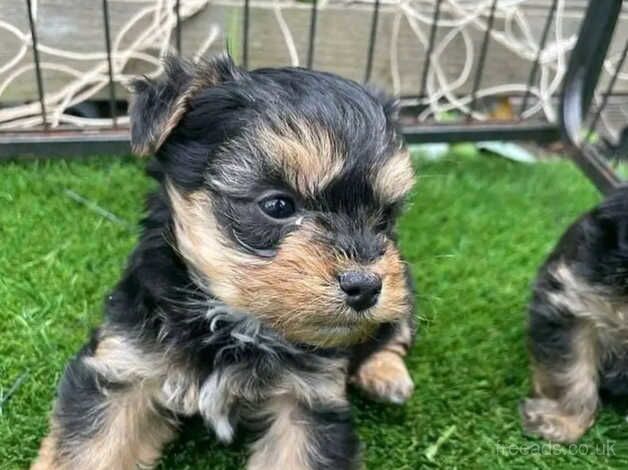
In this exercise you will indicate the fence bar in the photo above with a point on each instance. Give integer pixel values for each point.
(430, 49)
(537, 59)
(585, 65)
(40, 82)
(245, 34)
(479, 132)
(581, 78)
(372, 38)
(64, 144)
(595, 168)
(112, 87)
(483, 51)
(609, 90)
(177, 12)
(310, 50)
(70, 143)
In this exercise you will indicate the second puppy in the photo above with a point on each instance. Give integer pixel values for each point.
(578, 327)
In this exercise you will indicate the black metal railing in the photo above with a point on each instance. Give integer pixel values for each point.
(430, 49)
(480, 68)
(580, 83)
(581, 80)
(40, 81)
(537, 59)
(112, 85)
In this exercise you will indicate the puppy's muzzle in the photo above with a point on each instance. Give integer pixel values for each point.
(361, 289)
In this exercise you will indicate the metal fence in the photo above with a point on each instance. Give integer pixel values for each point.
(578, 119)
(577, 123)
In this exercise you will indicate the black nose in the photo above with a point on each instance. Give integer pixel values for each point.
(362, 288)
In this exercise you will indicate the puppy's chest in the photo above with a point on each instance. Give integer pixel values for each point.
(247, 375)
(238, 365)
(238, 392)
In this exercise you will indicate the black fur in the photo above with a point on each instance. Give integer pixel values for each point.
(336, 444)
(70, 413)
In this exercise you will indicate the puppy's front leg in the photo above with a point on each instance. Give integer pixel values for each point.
(304, 437)
(565, 375)
(105, 417)
(378, 367)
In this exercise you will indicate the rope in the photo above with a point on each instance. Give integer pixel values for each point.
(445, 93)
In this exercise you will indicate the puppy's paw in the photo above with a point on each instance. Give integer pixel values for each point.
(545, 418)
(384, 377)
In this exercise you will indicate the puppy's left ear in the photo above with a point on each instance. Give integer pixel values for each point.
(157, 105)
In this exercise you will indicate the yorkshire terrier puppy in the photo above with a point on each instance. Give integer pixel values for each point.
(266, 276)
(578, 330)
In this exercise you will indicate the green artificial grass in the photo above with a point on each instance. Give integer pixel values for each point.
(475, 231)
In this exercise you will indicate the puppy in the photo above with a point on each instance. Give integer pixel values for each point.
(578, 330)
(265, 278)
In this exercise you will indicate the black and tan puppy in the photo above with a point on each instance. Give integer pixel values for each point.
(265, 278)
(578, 327)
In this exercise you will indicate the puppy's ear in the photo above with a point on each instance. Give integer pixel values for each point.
(157, 105)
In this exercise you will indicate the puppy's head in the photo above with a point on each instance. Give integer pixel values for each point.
(284, 187)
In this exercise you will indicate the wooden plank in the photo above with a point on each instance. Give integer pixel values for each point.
(341, 43)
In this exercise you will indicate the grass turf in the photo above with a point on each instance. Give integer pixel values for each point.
(474, 233)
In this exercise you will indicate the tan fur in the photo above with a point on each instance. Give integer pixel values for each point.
(327, 387)
(384, 376)
(285, 445)
(306, 155)
(574, 385)
(118, 359)
(395, 179)
(180, 392)
(46, 458)
(608, 319)
(310, 306)
(202, 244)
(547, 418)
(132, 432)
(580, 380)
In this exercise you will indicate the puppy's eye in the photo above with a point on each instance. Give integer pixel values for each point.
(278, 207)
(383, 226)
(386, 220)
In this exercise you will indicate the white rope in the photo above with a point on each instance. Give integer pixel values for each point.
(287, 35)
(84, 84)
(441, 86)
(446, 90)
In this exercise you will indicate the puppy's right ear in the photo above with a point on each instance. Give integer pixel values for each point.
(157, 105)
